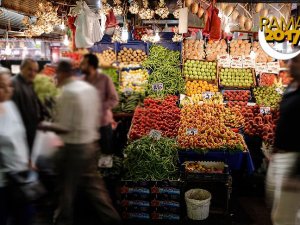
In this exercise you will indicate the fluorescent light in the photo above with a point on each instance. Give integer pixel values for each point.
(156, 37)
(7, 50)
(66, 40)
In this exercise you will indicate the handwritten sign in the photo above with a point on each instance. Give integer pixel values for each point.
(192, 131)
(251, 104)
(158, 87)
(155, 134)
(279, 90)
(265, 110)
(207, 95)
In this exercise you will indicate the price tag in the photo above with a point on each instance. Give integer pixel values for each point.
(192, 131)
(251, 104)
(207, 95)
(155, 134)
(158, 87)
(128, 91)
(265, 110)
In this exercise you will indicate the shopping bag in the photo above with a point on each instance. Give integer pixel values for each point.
(45, 146)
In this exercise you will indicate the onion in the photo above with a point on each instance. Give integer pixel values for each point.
(234, 15)
(194, 8)
(241, 19)
(228, 10)
(200, 12)
(264, 12)
(188, 3)
(248, 24)
(259, 7)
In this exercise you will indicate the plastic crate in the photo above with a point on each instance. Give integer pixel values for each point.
(103, 46)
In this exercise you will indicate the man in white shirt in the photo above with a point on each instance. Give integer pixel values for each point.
(77, 117)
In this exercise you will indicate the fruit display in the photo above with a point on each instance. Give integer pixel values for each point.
(267, 96)
(149, 159)
(240, 48)
(165, 75)
(284, 77)
(267, 79)
(242, 78)
(198, 87)
(202, 167)
(206, 98)
(128, 103)
(215, 48)
(130, 56)
(261, 55)
(200, 70)
(107, 57)
(49, 70)
(193, 49)
(134, 80)
(139, 32)
(260, 125)
(236, 103)
(157, 114)
(237, 95)
(233, 117)
(203, 127)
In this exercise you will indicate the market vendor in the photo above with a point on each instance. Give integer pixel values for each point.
(26, 99)
(108, 96)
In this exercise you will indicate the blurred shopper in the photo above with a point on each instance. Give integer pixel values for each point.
(13, 155)
(108, 96)
(26, 99)
(78, 120)
(281, 173)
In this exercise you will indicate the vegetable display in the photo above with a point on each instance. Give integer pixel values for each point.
(130, 56)
(215, 49)
(165, 77)
(128, 103)
(107, 57)
(205, 128)
(240, 48)
(113, 74)
(134, 80)
(284, 77)
(237, 95)
(149, 159)
(160, 115)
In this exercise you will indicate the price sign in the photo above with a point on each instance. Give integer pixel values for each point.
(158, 87)
(265, 110)
(251, 104)
(207, 95)
(192, 131)
(128, 91)
(155, 134)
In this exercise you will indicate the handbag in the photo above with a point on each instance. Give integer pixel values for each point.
(26, 186)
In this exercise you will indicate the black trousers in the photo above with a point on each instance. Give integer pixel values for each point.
(76, 167)
(106, 140)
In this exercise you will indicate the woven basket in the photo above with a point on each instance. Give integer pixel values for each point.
(198, 202)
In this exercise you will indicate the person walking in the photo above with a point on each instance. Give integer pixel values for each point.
(108, 96)
(14, 156)
(77, 121)
(282, 169)
(26, 99)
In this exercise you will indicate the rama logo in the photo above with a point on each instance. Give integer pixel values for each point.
(273, 30)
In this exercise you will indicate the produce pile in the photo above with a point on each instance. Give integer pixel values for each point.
(107, 57)
(205, 127)
(193, 49)
(134, 80)
(240, 48)
(240, 78)
(260, 125)
(150, 159)
(165, 72)
(157, 114)
(237, 95)
(199, 167)
(206, 98)
(267, 96)
(215, 48)
(128, 103)
(261, 56)
(200, 70)
(267, 79)
(198, 87)
(130, 56)
(49, 70)
(45, 87)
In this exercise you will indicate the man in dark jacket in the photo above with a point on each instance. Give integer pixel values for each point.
(26, 99)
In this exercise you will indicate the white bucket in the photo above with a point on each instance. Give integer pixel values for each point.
(197, 202)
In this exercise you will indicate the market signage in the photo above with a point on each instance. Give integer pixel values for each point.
(273, 30)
